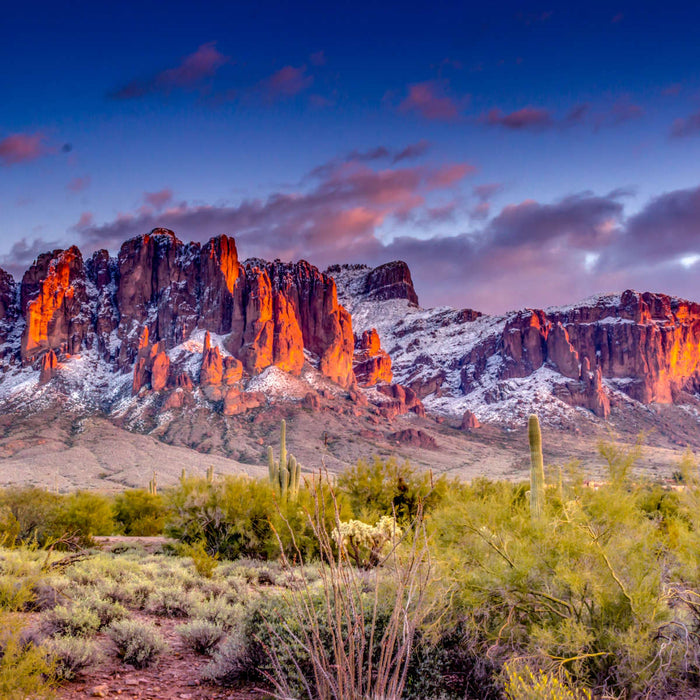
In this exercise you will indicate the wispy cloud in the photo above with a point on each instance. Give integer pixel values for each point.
(190, 74)
(430, 101)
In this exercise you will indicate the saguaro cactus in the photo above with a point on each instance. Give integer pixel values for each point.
(285, 473)
(210, 474)
(536, 468)
(153, 485)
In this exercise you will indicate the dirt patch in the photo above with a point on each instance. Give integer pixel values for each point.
(175, 676)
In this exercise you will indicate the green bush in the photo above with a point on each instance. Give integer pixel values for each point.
(201, 636)
(84, 513)
(241, 517)
(71, 655)
(73, 620)
(25, 669)
(140, 513)
(138, 643)
(384, 487)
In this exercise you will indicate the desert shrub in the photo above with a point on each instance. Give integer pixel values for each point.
(107, 610)
(352, 635)
(138, 643)
(204, 563)
(384, 487)
(586, 587)
(84, 513)
(231, 662)
(25, 669)
(170, 601)
(32, 510)
(526, 684)
(365, 544)
(138, 512)
(220, 612)
(71, 655)
(238, 517)
(73, 620)
(201, 635)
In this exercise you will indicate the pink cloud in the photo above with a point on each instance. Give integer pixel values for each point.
(78, 184)
(158, 199)
(430, 101)
(689, 126)
(190, 73)
(672, 90)
(527, 118)
(287, 82)
(21, 148)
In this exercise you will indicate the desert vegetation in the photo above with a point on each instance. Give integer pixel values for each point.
(382, 582)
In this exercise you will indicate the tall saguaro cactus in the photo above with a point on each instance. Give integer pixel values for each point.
(285, 473)
(153, 485)
(536, 468)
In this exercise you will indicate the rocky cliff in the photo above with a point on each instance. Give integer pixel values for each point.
(196, 327)
(598, 354)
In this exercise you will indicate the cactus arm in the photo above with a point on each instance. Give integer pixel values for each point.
(283, 444)
(536, 468)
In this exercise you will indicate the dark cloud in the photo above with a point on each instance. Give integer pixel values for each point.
(667, 229)
(24, 252)
(192, 71)
(528, 254)
(527, 118)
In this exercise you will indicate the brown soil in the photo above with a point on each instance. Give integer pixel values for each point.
(175, 676)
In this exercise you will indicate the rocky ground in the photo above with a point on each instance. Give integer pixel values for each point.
(175, 676)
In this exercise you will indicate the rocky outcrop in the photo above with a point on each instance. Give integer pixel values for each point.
(390, 281)
(54, 301)
(49, 365)
(372, 365)
(469, 421)
(267, 313)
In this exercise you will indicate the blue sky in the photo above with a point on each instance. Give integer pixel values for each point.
(513, 155)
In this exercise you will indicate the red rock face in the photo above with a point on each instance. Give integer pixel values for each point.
(53, 297)
(649, 341)
(371, 364)
(49, 365)
(268, 313)
(391, 281)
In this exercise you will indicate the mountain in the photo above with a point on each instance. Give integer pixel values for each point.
(188, 345)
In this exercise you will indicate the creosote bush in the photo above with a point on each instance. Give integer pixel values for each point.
(138, 643)
(201, 635)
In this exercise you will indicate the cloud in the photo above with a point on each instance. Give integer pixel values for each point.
(192, 71)
(23, 253)
(665, 230)
(22, 148)
(527, 118)
(78, 184)
(343, 210)
(430, 101)
(378, 153)
(527, 253)
(159, 199)
(672, 90)
(318, 58)
(286, 82)
(413, 150)
(689, 126)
